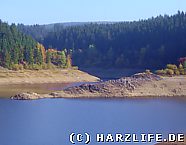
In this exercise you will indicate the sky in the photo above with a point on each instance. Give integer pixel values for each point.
(54, 11)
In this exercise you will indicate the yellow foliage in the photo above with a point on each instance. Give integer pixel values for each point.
(169, 71)
(69, 61)
(43, 51)
(177, 72)
(171, 66)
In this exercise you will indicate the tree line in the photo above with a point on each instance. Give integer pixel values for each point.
(153, 42)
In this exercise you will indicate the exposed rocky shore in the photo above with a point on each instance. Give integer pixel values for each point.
(113, 88)
(138, 85)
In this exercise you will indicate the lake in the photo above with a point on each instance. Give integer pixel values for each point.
(51, 121)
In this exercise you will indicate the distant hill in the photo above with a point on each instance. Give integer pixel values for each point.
(151, 43)
(40, 31)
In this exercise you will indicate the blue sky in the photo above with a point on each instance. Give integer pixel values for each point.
(52, 11)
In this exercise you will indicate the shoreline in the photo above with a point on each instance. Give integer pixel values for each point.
(140, 85)
(9, 77)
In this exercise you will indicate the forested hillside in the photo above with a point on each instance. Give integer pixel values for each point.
(154, 42)
(18, 51)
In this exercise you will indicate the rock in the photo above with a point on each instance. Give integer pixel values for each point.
(125, 83)
(26, 96)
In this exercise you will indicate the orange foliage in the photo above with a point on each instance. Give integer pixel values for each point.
(69, 61)
(43, 51)
(52, 50)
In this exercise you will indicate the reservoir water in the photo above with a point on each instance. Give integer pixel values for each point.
(51, 121)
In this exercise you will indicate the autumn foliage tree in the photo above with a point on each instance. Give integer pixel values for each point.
(69, 61)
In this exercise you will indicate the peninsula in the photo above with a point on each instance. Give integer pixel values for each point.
(140, 85)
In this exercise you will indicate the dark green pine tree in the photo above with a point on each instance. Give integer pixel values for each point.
(7, 59)
(31, 57)
(15, 55)
(38, 56)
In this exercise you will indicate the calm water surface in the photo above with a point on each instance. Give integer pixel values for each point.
(50, 121)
